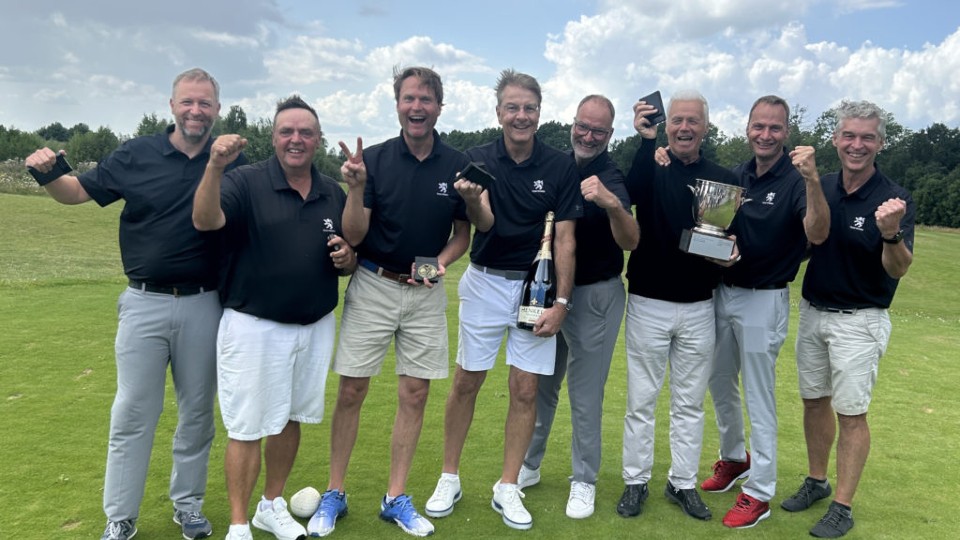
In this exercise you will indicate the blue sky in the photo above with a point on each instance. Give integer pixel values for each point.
(107, 62)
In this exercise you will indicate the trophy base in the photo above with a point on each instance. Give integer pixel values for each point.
(706, 244)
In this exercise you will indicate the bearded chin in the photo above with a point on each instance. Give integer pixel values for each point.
(194, 136)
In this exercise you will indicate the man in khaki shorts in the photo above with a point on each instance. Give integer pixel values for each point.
(400, 205)
(844, 325)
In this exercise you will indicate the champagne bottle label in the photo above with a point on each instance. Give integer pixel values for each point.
(540, 287)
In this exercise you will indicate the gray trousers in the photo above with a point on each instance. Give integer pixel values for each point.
(751, 328)
(156, 330)
(584, 351)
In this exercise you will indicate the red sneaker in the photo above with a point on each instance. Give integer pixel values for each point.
(746, 513)
(725, 474)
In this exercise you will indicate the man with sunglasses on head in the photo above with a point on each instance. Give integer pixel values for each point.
(589, 333)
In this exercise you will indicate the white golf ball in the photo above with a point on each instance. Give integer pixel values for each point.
(305, 502)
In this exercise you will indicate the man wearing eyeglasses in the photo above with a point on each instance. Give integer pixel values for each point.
(586, 342)
(531, 179)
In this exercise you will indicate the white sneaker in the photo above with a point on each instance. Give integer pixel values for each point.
(277, 520)
(239, 532)
(528, 477)
(447, 493)
(580, 503)
(506, 501)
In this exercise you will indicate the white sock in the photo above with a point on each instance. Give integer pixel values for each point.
(265, 504)
(450, 476)
(240, 528)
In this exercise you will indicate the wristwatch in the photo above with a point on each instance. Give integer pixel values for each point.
(564, 302)
(895, 239)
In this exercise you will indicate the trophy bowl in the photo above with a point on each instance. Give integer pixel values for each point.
(714, 207)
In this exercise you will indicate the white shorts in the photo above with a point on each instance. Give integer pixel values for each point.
(488, 307)
(838, 355)
(270, 373)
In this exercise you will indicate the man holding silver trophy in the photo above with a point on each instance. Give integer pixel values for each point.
(670, 311)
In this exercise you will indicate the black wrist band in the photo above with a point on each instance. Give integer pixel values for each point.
(60, 168)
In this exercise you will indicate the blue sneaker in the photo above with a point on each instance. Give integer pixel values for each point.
(193, 524)
(402, 512)
(333, 505)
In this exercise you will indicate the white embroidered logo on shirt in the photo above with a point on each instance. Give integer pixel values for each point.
(858, 223)
(538, 186)
(328, 225)
(442, 188)
(769, 198)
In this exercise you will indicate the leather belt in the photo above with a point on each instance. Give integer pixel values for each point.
(511, 275)
(770, 287)
(187, 290)
(847, 311)
(384, 273)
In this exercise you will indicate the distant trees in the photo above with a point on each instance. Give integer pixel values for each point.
(926, 162)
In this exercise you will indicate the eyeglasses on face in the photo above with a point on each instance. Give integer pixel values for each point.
(513, 108)
(583, 129)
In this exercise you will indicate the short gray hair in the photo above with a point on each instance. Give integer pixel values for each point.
(691, 95)
(197, 74)
(510, 77)
(603, 100)
(864, 110)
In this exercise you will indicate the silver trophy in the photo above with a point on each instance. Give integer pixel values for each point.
(714, 205)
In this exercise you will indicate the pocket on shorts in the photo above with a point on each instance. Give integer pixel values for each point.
(878, 324)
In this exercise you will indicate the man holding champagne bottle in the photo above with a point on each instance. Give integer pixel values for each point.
(531, 179)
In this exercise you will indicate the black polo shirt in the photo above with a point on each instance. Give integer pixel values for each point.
(413, 203)
(846, 271)
(658, 268)
(520, 198)
(158, 243)
(769, 227)
(599, 258)
(277, 265)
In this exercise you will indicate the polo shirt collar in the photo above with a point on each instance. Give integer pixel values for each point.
(530, 161)
(866, 189)
(278, 179)
(405, 150)
(781, 168)
(168, 149)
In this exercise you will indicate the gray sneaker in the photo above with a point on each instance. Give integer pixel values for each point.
(837, 521)
(193, 524)
(810, 492)
(120, 530)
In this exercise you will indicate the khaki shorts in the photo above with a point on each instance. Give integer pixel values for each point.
(376, 311)
(838, 355)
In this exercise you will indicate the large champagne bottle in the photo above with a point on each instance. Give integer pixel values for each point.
(540, 286)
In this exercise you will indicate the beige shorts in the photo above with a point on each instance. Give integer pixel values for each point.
(376, 311)
(838, 355)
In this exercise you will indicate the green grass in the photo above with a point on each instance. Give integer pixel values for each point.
(60, 275)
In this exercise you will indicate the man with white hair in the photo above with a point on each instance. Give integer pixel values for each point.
(670, 311)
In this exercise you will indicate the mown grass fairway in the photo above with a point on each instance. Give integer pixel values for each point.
(60, 276)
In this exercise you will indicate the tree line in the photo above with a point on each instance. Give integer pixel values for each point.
(926, 162)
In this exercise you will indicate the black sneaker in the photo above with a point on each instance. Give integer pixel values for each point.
(689, 500)
(837, 521)
(631, 502)
(810, 492)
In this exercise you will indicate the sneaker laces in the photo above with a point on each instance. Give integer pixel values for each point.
(580, 491)
(114, 529)
(281, 514)
(329, 503)
(743, 504)
(512, 497)
(190, 517)
(444, 488)
(833, 518)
